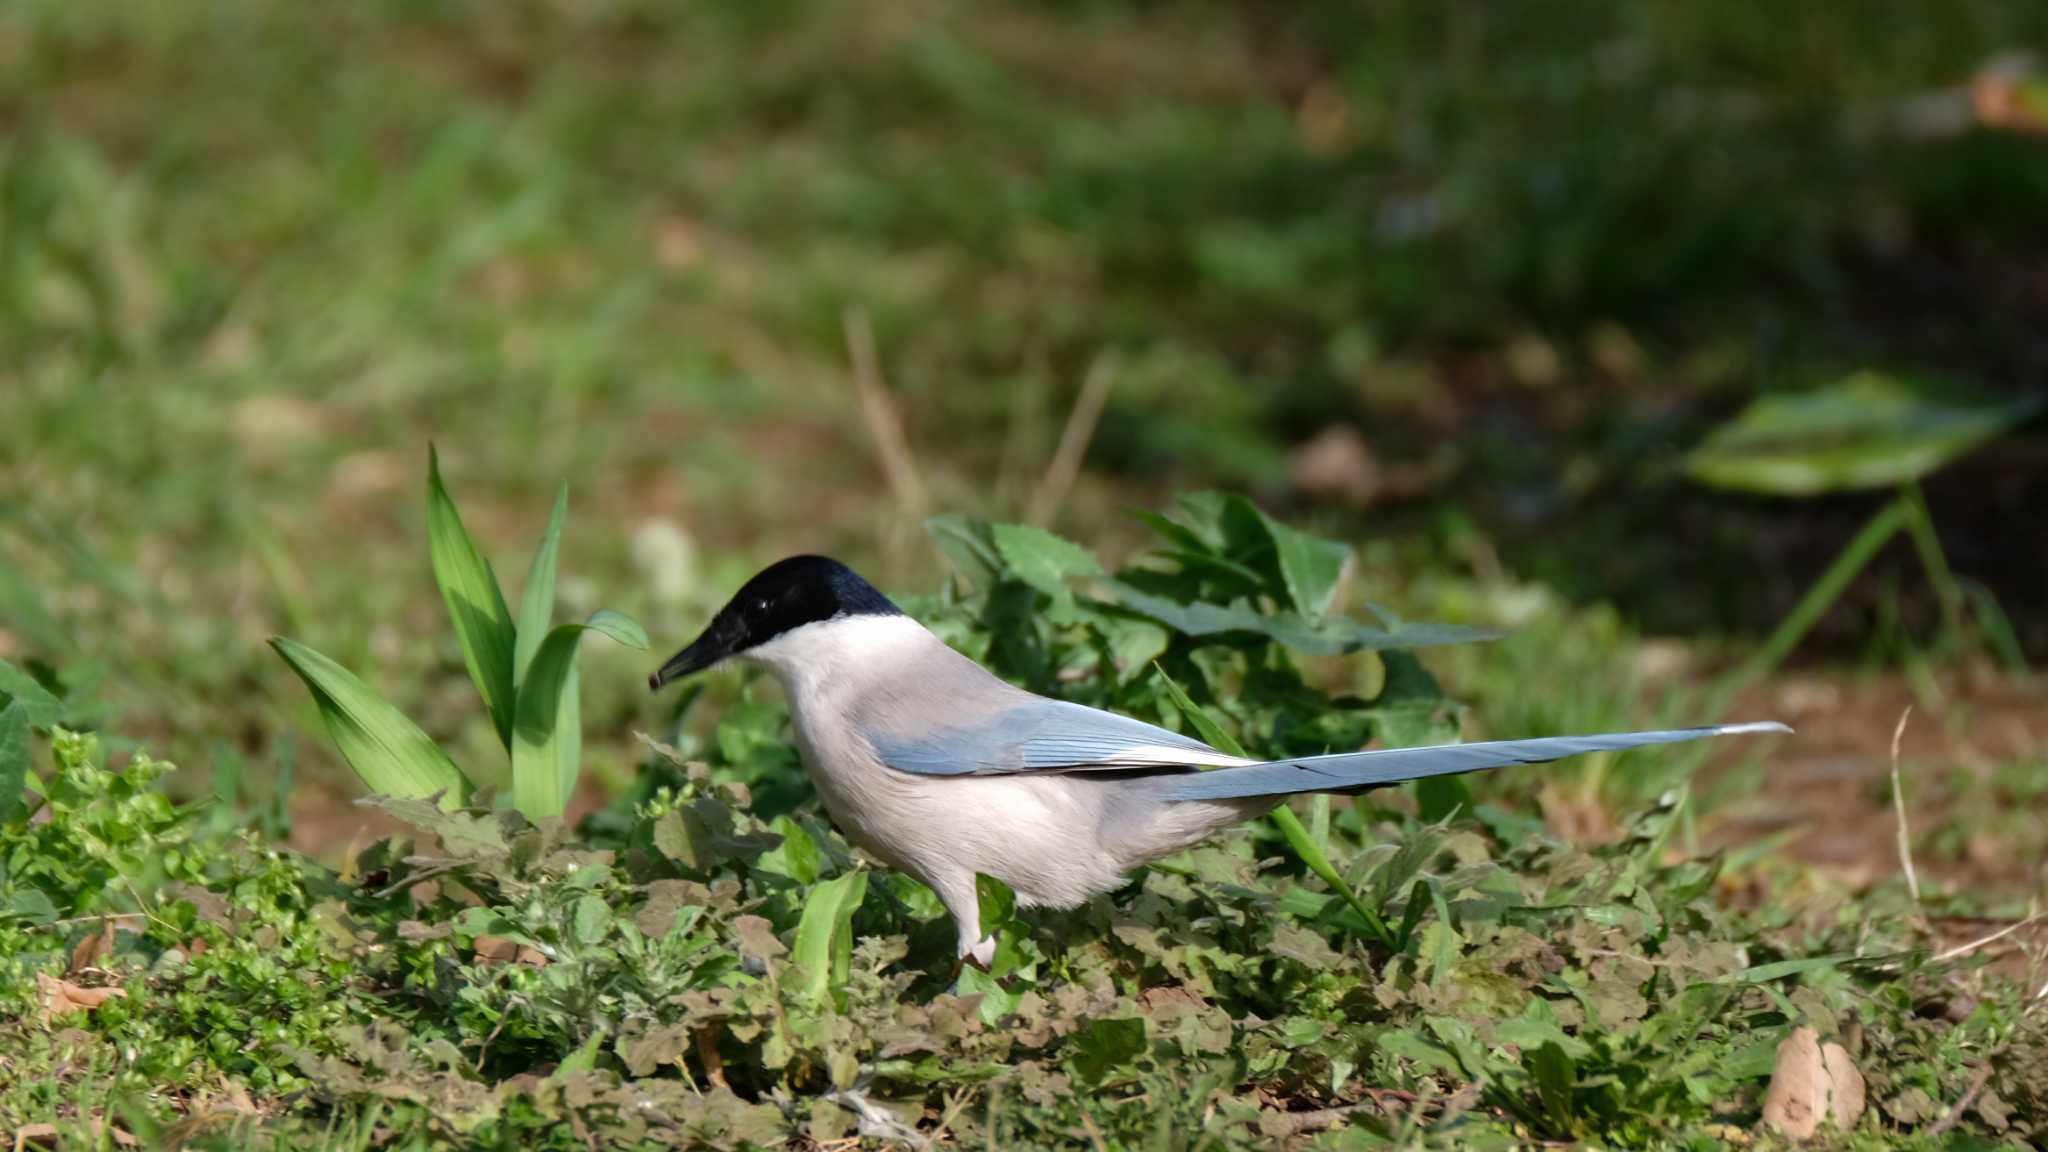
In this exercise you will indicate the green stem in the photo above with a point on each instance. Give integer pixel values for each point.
(1305, 847)
(1947, 592)
(1875, 533)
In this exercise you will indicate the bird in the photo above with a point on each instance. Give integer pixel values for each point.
(938, 768)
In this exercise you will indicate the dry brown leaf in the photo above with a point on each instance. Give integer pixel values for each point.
(757, 937)
(94, 948)
(1811, 1084)
(498, 950)
(1846, 1104)
(63, 998)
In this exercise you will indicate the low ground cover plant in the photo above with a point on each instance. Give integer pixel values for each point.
(705, 963)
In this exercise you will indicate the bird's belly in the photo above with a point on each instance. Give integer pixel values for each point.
(1036, 834)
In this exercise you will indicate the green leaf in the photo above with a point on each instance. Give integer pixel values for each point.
(797, 857)
(14, 758)
(1555, 1075)
(1206, 727)
(619, 627)
(44, 709)
(995, 901)
(547, 735)
(1309, 566)
(1439, 797)
(1103, 1046)
(34, 906)
(966, 542)
(1441, 937)
(389, 752)
(1330, 636)
(537, 599)
(593, 919)
(483, 625)
(1133, 643)
(1868, 430)
(1764, 973)
(824, 933)
(1041, 559)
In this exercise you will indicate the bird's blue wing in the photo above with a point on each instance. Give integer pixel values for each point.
(1045, 736)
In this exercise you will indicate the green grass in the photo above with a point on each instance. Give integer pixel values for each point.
(706, 963)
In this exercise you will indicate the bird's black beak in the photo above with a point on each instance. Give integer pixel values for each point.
(710, 648)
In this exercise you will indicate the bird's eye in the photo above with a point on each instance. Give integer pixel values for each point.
(760, 606)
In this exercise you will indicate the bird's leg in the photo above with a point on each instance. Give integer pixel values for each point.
(965, 907)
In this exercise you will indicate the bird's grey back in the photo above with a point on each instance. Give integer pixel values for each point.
(944, 715)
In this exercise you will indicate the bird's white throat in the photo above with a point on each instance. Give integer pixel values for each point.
(813, 660)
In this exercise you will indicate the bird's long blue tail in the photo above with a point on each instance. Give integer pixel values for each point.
(1354, 771)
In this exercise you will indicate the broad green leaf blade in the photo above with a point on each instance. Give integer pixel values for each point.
(547, 735)
(1330, 636)
(43, 708)
(1869, 430)
(547, 729)
(619, 627)
(1041, 559)
(824, 933)
(965, 541)
(995, 901)
(389, 752)
(475, 604)
(14, 758)
(1309, 566)
(537, 599)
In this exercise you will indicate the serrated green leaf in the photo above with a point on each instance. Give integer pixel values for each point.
(1309, 566)
(593, 919)
(537, 599)
(966, 542)
(14, 758)
(1868, 430)
(476, 605)
(824, 934)
(43, 708)
(1044, 561)
(388, 752)
(547, 736)
(1330, 636)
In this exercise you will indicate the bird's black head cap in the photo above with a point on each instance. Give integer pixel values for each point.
(782, 597)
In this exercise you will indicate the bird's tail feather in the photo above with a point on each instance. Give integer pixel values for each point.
(1357, 771)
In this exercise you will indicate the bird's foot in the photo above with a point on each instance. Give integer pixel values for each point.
(980, 954)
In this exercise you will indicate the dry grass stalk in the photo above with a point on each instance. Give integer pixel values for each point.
(884, 420)
(1074, 440)
(1899, 808)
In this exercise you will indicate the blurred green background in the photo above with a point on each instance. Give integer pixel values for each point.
(1461, 281)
